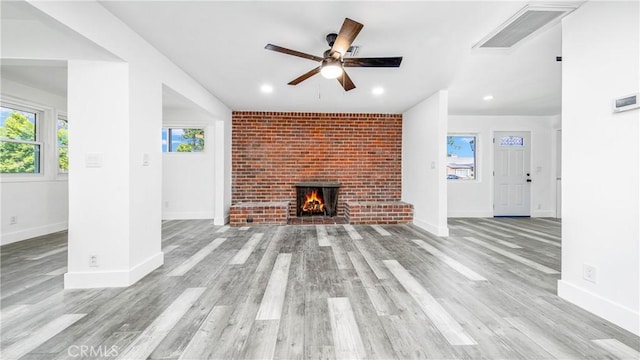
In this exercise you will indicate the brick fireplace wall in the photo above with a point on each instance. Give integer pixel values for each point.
(271, 151)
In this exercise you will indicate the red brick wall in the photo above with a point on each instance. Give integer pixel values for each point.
(259, 213)
(378, 212)
(274, 150)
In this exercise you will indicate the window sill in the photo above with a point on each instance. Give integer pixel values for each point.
(7, 178)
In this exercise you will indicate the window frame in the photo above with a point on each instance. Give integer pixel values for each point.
(476, 173)
(40, 115)
(182, 127)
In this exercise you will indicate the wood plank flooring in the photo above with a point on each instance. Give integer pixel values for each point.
(310, 292)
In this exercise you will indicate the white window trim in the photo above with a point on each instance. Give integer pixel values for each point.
(476, 159)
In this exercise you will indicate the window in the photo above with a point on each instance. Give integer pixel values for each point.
(62, 135)
(513, 141)
(19, 140)
(461, 157)
(182, 140)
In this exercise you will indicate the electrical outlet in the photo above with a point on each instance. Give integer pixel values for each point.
(589, 273)
(13, 220)
(93, 260)
(539, 206)
(166, 204)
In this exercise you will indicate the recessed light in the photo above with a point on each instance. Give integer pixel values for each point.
(487, 98)
(266, 88)
(379, 90)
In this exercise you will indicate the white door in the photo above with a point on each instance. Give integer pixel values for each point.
(511, 179)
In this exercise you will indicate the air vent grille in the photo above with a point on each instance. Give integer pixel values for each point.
(524, 23)
(353, 51)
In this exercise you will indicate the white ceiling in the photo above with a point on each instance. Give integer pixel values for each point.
(221, 45)
(50, 76)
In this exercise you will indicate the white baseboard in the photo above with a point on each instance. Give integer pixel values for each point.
(435, 230)
(620, 315)
(470, 214)
(114, 278)
(544, 213)
(24, 234)
(489, 214)
(221, 220)
(196, 215)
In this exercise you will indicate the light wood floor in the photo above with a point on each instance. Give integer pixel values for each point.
(325, 291)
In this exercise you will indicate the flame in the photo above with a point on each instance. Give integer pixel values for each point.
(313, 203)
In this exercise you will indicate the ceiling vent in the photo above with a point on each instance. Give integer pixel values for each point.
(523, 24)
(352, 51)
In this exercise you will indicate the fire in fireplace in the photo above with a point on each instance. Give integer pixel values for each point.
(313, 203)
(317, 199)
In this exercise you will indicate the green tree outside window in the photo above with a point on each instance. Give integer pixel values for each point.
(18, 151)
(182, 140)
(63, 145)
(194, 141)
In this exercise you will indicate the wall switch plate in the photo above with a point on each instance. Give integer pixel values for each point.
(93, 260)
(145, 159)
(589, 273)
(93, 160)
(13, 220)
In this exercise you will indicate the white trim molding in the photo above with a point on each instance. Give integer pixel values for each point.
(113, 278)
(620, 315)
(25, 234)
(435, 230)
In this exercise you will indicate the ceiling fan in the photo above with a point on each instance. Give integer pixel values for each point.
(332, 63)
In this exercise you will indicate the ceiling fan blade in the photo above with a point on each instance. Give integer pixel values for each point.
(346, 81)
(292, 52)
(373, 62)
(350, 29)
(304, 76)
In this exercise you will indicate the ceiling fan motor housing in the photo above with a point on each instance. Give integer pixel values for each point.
(332, 55)
(331, 61)
(331, 38)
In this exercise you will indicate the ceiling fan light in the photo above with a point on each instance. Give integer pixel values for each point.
(331, 70)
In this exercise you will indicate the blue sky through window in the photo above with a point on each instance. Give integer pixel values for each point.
(461, 146)
(176, 138)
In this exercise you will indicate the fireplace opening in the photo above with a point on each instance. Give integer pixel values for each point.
(317, 199)
(313, 203)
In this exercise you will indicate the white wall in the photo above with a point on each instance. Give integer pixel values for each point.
(424, 184)
(601, 161)
(188, 184)
(39, 202)
(475, 198)
(99, 194)
(222, 174)
(226, 136)
(130, 191)
(188, 179)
